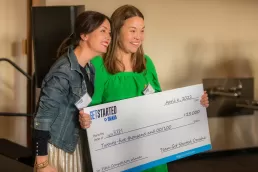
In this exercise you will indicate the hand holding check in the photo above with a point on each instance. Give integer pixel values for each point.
(84, 119)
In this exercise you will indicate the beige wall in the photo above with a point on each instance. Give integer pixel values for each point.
(57, 2)
(65, 2)
(13, 21)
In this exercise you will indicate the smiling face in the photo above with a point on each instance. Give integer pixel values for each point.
(132, 34)
(99, 39)
(127, 38)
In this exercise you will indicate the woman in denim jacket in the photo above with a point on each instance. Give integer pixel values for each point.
(57, 141)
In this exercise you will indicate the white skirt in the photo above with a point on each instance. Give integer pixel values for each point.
(65, 162)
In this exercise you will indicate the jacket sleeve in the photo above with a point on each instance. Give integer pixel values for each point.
(54, 92)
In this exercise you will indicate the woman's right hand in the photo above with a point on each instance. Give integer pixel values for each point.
(48, 168)
(84, 119)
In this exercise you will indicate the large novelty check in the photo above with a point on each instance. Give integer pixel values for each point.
(143, 132)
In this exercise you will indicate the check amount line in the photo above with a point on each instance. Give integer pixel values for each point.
(124, 164)
(144, 127)
(147, 135)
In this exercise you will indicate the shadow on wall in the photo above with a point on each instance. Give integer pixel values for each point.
(6, 100)
(13, 87)
(194, 63)
(226, 60)
(5, 106)
(204, 61)
(230, 62)
(232, 132)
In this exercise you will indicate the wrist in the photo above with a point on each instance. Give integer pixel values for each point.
(41, 159)
(41, 162)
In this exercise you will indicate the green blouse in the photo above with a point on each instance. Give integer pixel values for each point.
(112, 87)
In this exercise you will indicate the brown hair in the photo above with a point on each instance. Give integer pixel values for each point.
(110, 59)
(85, 23)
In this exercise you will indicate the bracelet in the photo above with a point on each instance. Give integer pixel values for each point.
(41, 165)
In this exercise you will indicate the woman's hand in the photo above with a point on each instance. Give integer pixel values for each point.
(48, 168)
(204, 100)
(84, 119)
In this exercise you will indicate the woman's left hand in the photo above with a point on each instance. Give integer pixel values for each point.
(204, 100)
(85, 119)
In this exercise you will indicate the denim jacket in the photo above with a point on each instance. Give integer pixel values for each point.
(62, 87)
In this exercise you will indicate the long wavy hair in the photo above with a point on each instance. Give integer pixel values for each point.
(111, 60)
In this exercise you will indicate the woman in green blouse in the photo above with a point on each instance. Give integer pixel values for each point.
(125, 71)
(121, 85)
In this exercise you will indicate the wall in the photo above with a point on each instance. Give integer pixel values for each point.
(13, 21)
(57, 2)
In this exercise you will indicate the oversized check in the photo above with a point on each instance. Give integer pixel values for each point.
(139, 133)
